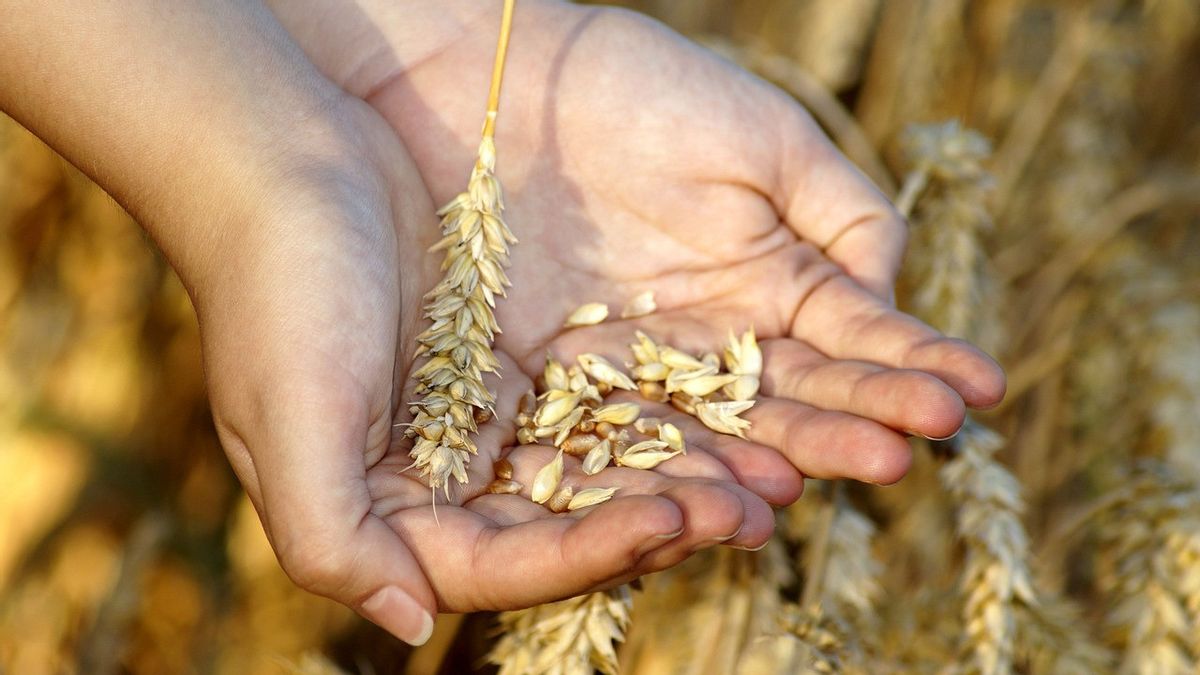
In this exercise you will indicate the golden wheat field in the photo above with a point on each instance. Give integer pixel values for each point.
(1047, 153)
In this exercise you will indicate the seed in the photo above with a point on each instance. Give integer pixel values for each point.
(555, 374)
(653, 391)
(744, 388)
(645, 458)
(617, 413)
(547, 479)
(579, 444)
(644, 446)
(482, 415)
(587, 426)
(576, 379)
(605, 429)
(591, 497)
(678, 376)
(553, 412)
(526, 436)
(651, 372)
(567, 425)
(587, 315)
(502, 486)
(641, 305)
(528, 403)
(503, 468)
(722, 416)
(593, 393)
(685, 403)
(670, 434)
(645, 351)
(598, 458)
(703, 386)
(561, 499)
(647, 425)
(677, 359)
(744, 357)
(600, 369)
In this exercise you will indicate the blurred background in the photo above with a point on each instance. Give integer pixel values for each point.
(126, 544)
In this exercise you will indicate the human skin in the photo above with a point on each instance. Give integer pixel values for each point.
(290, 178)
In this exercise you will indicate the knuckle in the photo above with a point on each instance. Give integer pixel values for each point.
(314, 564)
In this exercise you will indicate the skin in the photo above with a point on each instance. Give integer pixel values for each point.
(297, 206)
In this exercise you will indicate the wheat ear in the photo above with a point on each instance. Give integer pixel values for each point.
(572, 637)
(997, 578)
(1155, 586)
(459, 343)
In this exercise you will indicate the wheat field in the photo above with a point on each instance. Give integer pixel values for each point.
(1047, 153)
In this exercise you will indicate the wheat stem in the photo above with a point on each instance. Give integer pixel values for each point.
(493, 101)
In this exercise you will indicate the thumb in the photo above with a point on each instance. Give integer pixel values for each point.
(309, 455)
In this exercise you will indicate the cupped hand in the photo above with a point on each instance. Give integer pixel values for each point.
(309, 318)
(634, 161)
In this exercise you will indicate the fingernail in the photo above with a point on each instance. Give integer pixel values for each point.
(931, 438)
(719, 540)
(755, 548)
(396, 612)
(656, 541)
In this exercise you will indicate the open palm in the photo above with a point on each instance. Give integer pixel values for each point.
(635, 161)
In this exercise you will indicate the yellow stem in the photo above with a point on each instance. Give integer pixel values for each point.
(493, 105)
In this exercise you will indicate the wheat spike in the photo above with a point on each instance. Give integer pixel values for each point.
(576, 636)
(1154, 537)
(996, 578)
(459, 343)
(950, 218)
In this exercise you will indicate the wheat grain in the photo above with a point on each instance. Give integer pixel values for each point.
(642, 304)
(587, 315)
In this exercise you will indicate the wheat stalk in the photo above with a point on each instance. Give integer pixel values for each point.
(459, 343)
(850, 586)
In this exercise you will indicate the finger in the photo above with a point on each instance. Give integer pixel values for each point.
(909, 400)
(713, 514)
(308, 451)
(829, 202)
(474, 563)
(844, 321)
(760, 469)
(829, 444)
(529, 459)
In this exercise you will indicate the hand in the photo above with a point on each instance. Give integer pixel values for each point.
(308, 335)
(635, 161)
(288, 210)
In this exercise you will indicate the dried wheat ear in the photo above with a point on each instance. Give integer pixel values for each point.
(475, 240)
